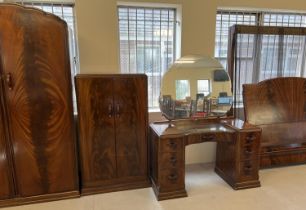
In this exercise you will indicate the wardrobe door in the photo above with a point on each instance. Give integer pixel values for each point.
(130, 98)
(34, 51)
(6, 182)
(96, 129)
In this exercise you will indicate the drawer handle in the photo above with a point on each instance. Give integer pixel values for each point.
(118, 110)
(172, 144)
(250, 139)
(9, 81)
(172, 177)
(173, 160)
(248, 168)
(110, 110)
(208, 137)
(248, 152)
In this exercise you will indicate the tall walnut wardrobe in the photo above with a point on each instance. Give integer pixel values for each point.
(37, 133)
(113, 124)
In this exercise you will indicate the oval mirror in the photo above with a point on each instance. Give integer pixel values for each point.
(195, 87)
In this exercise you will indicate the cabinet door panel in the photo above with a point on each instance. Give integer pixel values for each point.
(34, 49)
(130, 98)
(6, 182)
(97, 132)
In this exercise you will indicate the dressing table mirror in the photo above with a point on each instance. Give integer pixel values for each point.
(195, 87)
(196, 99)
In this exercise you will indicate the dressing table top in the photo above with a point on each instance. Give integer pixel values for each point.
(195, 126)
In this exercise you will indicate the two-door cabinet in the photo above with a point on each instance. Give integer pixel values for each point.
(113, 124)
(37, 133)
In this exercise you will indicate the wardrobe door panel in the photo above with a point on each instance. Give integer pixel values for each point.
(35, 57)
(6, 182)
(97, 129)
(130, 98)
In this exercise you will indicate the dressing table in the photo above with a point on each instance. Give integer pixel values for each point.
(237, 155)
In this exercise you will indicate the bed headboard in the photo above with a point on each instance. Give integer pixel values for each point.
(277, 100)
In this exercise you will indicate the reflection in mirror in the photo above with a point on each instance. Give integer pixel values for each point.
(204, 86)
(182, 88)
(195, 86)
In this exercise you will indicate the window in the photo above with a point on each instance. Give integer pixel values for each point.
(204, 87)
(292, 56)
(224, 20)
(284, 19)
(259, 57)
(147, 44)
(227, 18)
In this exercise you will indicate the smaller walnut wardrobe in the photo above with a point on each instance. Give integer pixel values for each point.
(113, 127)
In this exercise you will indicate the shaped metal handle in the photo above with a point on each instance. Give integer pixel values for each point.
(172, 145)
(248, 168)
(173, 160)
(9, 81)
(250, 138)
(110, 110)
(208, 137)
(173, 177)
(118, 110)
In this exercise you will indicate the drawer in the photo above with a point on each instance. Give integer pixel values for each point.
(171, 145)
(171, 160)
(250, 139)
(249, 153)
(249, 145)
(171, 179)
(208, 137)
(248, 170)
(199, 138)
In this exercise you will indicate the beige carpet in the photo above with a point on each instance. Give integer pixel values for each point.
(282, 188)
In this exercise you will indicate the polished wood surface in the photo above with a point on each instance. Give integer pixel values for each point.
(131, 113)
(279, 100)
(278, 107)
(181, 127)
(38, 101)
(113, 120)
(283, 133)
(6, 181)
(167, 164)
(237, 159)
(97, 129)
